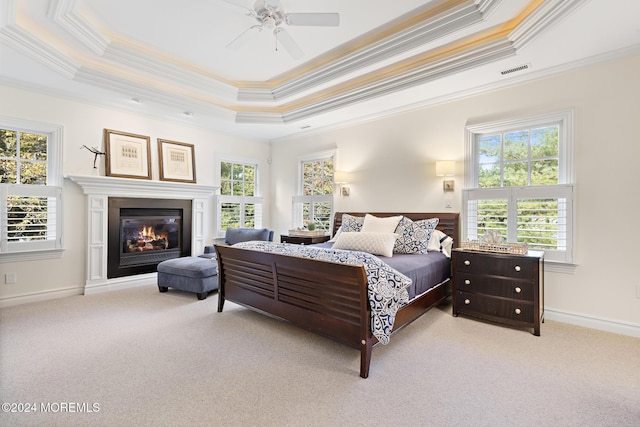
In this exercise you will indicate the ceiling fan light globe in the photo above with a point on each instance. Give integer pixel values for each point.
(269, 23)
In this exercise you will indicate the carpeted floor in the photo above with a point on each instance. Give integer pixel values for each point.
(138, 357)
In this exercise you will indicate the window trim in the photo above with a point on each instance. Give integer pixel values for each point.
(566, 153)
(256, 199)
(566, 118)
(55, 182)
(300, 198)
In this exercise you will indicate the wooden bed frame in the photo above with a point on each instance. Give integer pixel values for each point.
(327, 298)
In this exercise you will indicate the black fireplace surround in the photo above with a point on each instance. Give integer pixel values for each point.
(144, 232)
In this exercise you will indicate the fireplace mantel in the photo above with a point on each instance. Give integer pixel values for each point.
(98, 190)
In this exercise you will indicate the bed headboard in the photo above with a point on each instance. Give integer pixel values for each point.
(449, 221)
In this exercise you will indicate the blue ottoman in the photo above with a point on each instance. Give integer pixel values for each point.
(192, 274)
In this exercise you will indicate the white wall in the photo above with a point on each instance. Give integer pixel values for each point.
(84, 124)
(392, 162)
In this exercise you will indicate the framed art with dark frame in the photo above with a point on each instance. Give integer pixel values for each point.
(177, 161)
(127, 154)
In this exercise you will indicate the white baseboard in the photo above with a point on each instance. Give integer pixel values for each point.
(89, 289)
(40, 296)
(121, 283)
(607, 325)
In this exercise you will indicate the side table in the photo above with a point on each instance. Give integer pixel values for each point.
(303, 240)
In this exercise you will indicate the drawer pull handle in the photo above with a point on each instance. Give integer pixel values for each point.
(467, 262)
(518, 311)
(467, 282)
(467, 301)
(517, 268)
(518, 290)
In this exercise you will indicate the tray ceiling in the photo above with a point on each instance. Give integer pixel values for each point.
(170, 59)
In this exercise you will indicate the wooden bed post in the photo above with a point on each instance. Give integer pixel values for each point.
(365, 358)
(220, 284)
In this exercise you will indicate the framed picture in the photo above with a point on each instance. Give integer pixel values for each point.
(177, 161)
(127, 154)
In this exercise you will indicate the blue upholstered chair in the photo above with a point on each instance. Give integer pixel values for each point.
(237, 235)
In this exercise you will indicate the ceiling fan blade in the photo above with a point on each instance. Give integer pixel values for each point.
(274, 4)
(313, 19)
(237, 5)
(288, 43)
(240, 40)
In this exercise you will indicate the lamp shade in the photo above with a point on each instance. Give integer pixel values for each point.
(340, 177)
(445, 168)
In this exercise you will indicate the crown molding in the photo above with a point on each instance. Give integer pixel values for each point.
(132, 69)
(406, 34)
(62, 12)
(162, 92)
(392, 81)
(487, 88)
(134, 59)
(33, 47)
(547, 14)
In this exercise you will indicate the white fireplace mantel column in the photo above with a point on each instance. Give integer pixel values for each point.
(98, 190)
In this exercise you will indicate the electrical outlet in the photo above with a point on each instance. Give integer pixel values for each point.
(447, 204)
(637, 291)
(10, 278)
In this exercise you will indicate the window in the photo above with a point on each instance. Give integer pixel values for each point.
(238, 204)
(315, 202)
(519, 183)
(30, 187)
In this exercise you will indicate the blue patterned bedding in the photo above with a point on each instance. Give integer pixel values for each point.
(387, 287)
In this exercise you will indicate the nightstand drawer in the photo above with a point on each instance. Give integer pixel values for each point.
(495, 285)
(494, 264)
(491, 307)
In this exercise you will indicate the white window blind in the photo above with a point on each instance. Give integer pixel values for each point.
(30, 190)
(238, 203)
(519, 183)
(314, 204)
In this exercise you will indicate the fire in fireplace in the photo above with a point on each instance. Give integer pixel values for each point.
(145, 232)
(150, 233)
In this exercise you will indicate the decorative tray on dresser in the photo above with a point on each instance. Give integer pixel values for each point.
(500, 287)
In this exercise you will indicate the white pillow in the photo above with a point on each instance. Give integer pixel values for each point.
(373, 243)
(374, 224)
(440, 242)
(335, 237)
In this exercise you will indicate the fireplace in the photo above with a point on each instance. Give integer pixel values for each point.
(144, 232)
(195, 198)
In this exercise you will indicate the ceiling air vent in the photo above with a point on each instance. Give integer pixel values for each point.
(515, 69)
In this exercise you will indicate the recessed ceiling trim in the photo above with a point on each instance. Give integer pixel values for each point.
(62, 12)
(371, 48)
(160, 79)
(160, 92)
(544, 15)
(33, 47)
(119, 53)
(394, 82)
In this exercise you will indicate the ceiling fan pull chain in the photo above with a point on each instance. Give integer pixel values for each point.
(276, 37)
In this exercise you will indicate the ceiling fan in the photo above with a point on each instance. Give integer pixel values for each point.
(272, 17)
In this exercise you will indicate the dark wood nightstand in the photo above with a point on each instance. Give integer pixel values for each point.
(505, 288)
(303, 240)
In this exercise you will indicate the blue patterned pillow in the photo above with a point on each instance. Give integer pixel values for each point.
(414, 236)
(352, 223)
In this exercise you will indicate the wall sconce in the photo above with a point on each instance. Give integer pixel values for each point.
(341, 178)
(446, 168)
